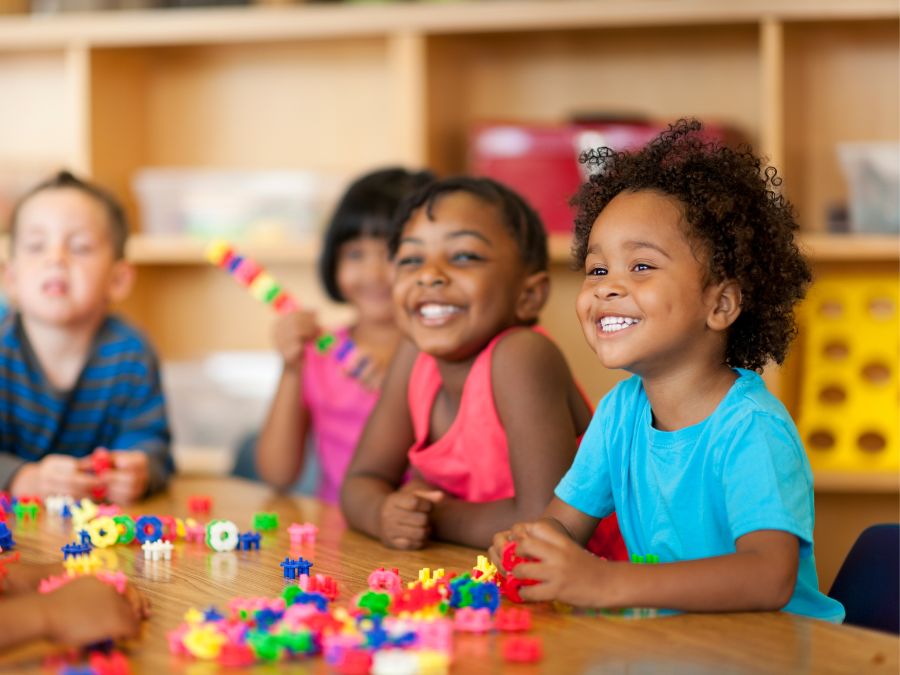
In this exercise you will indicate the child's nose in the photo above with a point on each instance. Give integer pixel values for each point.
(611, 288)
(431, 276)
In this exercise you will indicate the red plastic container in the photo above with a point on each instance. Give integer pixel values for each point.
(541, 161)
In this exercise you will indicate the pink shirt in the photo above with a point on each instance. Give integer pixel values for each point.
(338, 408)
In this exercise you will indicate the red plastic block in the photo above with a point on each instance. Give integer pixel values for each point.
(523, 649)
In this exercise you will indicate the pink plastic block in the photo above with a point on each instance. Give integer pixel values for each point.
(302, 533)
(435, 635)
(246, 272)
(472, 620)
(382, 580)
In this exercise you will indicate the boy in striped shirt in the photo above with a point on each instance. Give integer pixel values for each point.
(73, 378)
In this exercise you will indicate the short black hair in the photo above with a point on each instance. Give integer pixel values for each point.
(520, 219)
(118, 222)
(366, 209)
(733, 209)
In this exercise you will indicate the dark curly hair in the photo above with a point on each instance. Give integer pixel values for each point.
(736, 217)
(520, 219)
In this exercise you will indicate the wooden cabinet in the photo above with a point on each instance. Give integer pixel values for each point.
(342, 88)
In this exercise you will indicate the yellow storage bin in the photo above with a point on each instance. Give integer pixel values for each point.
(850, 399)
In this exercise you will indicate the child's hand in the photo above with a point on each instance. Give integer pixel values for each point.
(87, 610)
(126, 481)
(370, 375)
(564, 570)
(54, 475)
(292, 332)
(404, 517)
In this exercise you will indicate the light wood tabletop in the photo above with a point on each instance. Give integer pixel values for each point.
(573, 643)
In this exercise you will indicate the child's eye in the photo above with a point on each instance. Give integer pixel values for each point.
(597, 271)
(642, 267)
(82, 246)
(408, 260)
(465, 256)
(34, 246)
(352, 254)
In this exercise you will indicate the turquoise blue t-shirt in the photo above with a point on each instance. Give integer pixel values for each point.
(691, 493)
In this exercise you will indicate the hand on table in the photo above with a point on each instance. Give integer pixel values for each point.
(55, 475)
(405, 517)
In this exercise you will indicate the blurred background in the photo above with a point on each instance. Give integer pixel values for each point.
(246, 121)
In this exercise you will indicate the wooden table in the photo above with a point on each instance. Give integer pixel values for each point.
(198, 577)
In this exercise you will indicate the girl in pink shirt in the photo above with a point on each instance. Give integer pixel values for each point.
(317, 394)
(478, 407)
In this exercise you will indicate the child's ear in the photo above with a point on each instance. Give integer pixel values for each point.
(121, 280)
(726, 305)
(533, 296)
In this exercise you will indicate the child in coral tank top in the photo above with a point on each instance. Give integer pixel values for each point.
(478, 406)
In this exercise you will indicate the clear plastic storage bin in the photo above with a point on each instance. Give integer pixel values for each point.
(246, 205)
(873, 178)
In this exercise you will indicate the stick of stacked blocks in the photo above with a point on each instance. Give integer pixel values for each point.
(263, 287)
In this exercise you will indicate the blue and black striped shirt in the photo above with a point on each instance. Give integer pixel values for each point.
(116, 403)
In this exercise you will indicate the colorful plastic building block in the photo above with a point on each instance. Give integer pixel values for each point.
(199, 504)
(222, 535)
(104, 531)
(473, 620)
(157, 550)
(148, 528)
(302, 533)
(320, 583)
(290, 568)
(126, 528)
(383, 580)
(513, 619)
(249, 541)
(265, 522)
(6, 538)
(26, 511)
(522, 649)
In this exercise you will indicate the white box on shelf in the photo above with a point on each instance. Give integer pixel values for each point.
(258, 206)
(873, 178)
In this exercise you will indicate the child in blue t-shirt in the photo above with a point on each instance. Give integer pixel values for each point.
(691, 276)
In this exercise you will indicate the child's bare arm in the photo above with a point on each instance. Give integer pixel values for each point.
(82, 612)
(282, 440)
(532, 385)
(370, 499)
(760, 575)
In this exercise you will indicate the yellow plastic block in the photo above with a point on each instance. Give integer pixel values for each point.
(217, 250)
(850, 398)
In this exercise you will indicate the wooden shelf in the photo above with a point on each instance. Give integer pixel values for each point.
(258, 24)
(820, 247)
(144, 249)
(861, 482)
(148, 249)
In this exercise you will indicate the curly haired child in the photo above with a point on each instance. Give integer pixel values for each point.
(691, 274)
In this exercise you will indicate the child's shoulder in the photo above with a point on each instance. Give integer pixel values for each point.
(750, 398)
(528, 352)
(118, 337)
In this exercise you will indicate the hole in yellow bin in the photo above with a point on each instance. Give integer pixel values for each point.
(836, 350)
(881, 308)
(821, 439)
(831, 309)
(832, 394)
(876, 373)
(871, 441)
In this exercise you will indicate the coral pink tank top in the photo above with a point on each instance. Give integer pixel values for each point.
(471, 460)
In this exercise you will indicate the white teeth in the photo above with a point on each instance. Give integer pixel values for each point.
(611, 324)
(434, 311)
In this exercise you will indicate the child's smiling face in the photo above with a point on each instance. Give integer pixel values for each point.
(644, 305)
(364, 277)
(459, 277)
